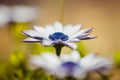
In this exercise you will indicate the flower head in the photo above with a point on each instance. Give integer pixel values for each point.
(22, 13)
(57, 34)
(71, 64)
(60, 67)
(5, 16)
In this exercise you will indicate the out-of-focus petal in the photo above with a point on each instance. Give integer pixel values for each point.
(24, 13)
(36, 60)
(93, 62)
(75, 56)
(5, 15)
(80, 73)
(61, 72)
(65, 57)
(87, 61)
(51, 62)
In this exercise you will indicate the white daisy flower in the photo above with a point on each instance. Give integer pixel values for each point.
(5, 16)
(60, 67)
(57, 34)
(70, 65)
(23, 13)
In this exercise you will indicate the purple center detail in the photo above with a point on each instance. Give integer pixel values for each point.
(70, 66)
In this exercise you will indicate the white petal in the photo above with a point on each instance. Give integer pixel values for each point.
(31, 33)
(78, 34)
(73, 40)
(82, 33)
(75, 56)
(46, 42)
(75, 28)
(71, 45)
(88, 30)
(50, 29)
(70, 30)
(42, 31)
(58, 27)
(31, 40)
(67, 29)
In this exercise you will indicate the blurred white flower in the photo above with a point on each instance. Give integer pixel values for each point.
(24, 13)
(48, 61)
(60, 67)
(71, 64)
(5, 15)
(57, 34)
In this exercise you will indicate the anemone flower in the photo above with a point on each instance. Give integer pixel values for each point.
(57, 35)
(70, 65)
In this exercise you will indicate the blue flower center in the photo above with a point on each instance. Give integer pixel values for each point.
(70, 66)
(58, 36)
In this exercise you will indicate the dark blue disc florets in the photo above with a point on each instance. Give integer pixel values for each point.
(58, 36)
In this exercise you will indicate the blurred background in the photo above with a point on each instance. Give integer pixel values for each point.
(103, 15)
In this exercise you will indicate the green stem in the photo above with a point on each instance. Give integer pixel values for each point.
(58, 50)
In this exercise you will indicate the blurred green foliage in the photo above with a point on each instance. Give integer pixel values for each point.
(36, 48)
(81, 48)
(117, 58)
(17, 57)
(16, 29)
